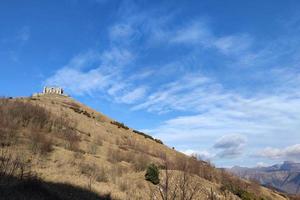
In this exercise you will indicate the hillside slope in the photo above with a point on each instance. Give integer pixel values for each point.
(59, 141)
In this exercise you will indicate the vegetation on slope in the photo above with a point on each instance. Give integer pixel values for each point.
(81, 149)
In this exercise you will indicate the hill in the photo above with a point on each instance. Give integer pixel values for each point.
(284, 177)
(53, 147)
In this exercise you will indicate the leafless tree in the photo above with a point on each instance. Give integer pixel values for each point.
(177, 184)
(12, 165)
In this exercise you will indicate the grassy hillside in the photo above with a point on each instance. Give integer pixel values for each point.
(63, 148)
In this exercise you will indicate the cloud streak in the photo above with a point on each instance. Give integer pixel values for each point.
(160, 67)
(230, 145)
(288, 153)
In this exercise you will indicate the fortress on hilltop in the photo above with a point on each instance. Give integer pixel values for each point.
(51, 91)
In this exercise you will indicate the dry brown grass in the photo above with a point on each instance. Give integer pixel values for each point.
(116, 157)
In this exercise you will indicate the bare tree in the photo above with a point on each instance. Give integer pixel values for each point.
(12, 165)
(168, 189)
(188, 188)
(176, 184)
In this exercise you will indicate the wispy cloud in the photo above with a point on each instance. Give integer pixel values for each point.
(141, 67)
(230, 145)
(92, 72)
(288, 153)
(24, 34)
(133, 96)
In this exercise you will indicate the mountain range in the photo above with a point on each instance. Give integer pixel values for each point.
(283, 177)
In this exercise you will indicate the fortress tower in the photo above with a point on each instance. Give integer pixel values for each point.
(53, 90)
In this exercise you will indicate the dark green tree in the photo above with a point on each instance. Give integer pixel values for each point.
(152, 174)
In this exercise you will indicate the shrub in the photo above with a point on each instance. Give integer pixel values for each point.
(94, 172)
(93, 147)
(39, 143)
(148, 136)
(71, 138)
(119, 125)
(158, 141)
(8, 137)
(99, 141)
(116, 171)
(140, 162)
(123, 185)
(114, 156)
(152, 174)
(17, 114)
(101, 175)
(238, 187)
(13, 165)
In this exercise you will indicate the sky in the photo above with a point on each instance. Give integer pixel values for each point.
(220, 79)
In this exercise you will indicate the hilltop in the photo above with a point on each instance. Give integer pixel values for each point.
(54, 147)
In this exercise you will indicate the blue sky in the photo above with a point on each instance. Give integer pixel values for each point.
(216, 78)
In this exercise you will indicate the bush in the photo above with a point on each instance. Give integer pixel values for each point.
(140, 162)
(148, 136)
(93, 148)
(114, 156)
(158, 141)
(13, 165)
(39, 143)
(101, 175)
(123, 185)
(120, 125)
(15, 115)
(152, 174)
(71, 138)
(94, 172)
(238, 187)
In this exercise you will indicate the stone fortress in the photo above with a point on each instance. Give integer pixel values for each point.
(51, 91)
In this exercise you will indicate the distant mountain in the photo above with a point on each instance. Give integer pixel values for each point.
(284, 177)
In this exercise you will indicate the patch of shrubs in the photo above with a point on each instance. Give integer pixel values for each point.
(152, 174)
(40, 143)
(239, 188)
(158, 141)
(243, 194)
(120, 125)
(148, 136)
(95, 172)
(15, 115)
(78, 110)
(143, 134)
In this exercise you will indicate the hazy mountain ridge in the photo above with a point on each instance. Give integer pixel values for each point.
(284, 177)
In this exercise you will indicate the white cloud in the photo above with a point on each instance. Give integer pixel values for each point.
(233, 44)
(178, 95)
(203, 155)
(202, 108)
(193, 33)
(133, 96)
(24, 34)
(230, 145)
(121, 31)
(200, 34)
(214, 111)
(287, 153)
(78, 82)
(93, 72)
